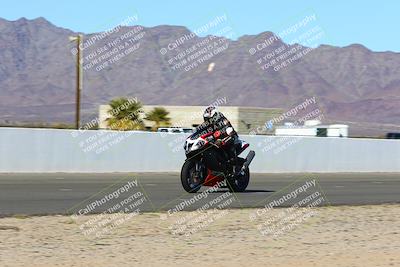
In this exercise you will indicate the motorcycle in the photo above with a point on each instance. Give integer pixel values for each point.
(208, 162)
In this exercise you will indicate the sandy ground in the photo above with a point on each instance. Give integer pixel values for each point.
(333, 236)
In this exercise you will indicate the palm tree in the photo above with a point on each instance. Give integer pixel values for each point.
(160, 116)
(125, 114)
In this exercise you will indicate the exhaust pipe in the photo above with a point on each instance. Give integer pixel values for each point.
(249, 159)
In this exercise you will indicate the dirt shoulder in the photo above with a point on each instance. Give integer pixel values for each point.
(330, 236)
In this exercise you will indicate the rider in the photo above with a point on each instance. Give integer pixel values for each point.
(216, 121)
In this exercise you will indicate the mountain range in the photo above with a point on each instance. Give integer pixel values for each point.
(352, 84)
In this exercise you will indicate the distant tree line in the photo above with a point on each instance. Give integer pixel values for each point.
(129, 117)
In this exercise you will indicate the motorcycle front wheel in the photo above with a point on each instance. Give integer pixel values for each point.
(190, 178)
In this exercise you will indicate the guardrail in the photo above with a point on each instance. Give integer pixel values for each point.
(52, 150)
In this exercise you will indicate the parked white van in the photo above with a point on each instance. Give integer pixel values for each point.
(175, 130)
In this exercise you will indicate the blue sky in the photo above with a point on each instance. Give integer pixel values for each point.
(371, 23)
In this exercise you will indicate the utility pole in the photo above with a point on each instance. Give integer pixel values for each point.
(78, 51)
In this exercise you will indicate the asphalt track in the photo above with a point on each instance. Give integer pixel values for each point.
(61, 193)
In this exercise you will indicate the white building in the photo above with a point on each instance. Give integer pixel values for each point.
(243, 119)
(313, 128)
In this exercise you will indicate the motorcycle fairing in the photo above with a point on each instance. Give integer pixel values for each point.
(213, 178)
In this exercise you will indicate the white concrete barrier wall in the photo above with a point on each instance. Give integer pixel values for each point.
(45, 150)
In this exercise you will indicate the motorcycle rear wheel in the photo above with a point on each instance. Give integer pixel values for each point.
(239, 183)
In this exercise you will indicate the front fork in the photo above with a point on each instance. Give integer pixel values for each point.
(200, 170)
